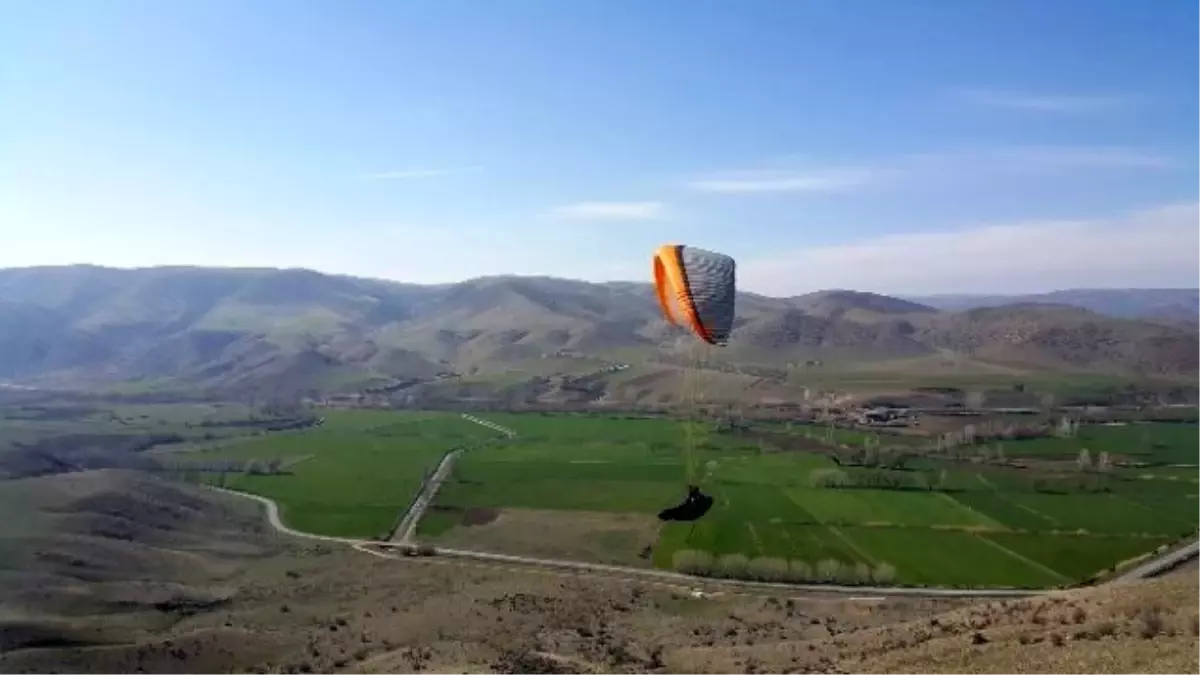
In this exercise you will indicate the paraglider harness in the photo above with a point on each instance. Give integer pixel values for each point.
(696, 505)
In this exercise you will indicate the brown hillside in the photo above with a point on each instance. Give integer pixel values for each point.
(277, 332)
(1143, 627)
(105, 557)
(1057, 337)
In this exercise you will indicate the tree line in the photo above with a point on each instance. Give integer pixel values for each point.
(738, 566)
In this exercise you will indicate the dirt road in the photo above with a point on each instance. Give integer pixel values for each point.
(404, 531)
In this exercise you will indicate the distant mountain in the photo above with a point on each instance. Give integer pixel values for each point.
(292, 330)
(1130, 303)
(857, 304)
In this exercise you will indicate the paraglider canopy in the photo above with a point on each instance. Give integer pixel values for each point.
(697, 288)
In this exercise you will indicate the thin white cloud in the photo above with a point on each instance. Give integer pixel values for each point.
(609, 211)
(420, 172)
(1041, 102)
(931, 167)
(1092, 157)
(749, 182)
(1158, 247)
(1023, 160)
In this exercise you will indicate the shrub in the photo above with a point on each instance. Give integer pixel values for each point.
(689, 561)
(767, 569)
(1150, 622)
(799, 572)
(883, 574)
(862, 574)
(1078, 615)
(828, 478)
(732, 566)
(828, 570)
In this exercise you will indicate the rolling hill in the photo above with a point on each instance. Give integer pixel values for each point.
(295, 330)
(1131, 303)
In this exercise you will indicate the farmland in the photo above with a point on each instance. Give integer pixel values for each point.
(956, 523)
(594, 485)
(189, 422)
(351, 476)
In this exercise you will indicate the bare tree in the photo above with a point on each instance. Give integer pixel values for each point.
(968, 434)
(1085, 460)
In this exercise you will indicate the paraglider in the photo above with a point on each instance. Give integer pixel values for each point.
(701, 286)
(696, 289)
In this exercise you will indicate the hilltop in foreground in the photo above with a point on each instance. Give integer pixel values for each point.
(267, 330)
(126, 573)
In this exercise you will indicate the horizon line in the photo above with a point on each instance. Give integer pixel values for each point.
(517, 275)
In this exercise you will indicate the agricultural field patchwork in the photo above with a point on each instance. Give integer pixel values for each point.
(594, 485)
(350, 477)
(184, 422)
(964, 524)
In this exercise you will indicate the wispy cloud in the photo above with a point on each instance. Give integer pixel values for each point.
(1155, 247)
(418, 172)
(1024, 159)
(1042, 102)
(820, 180)
(610, 211)
(931, 167)
(1090, 157)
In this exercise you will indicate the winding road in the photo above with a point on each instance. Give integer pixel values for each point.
(379, 549)
(402, 539)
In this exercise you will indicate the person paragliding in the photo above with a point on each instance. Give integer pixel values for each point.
(696, 289)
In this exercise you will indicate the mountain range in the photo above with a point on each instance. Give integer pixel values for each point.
(272, 330)
(1131, 303)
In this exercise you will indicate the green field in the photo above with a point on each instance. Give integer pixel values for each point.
(967, 525)
(986, 526)
(1164, 443)
(187, 423)
(358, 471)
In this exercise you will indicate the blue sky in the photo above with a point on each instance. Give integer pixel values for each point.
(897, 146)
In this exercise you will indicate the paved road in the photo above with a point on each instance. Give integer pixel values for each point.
(1163, 563)
(408, 523)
